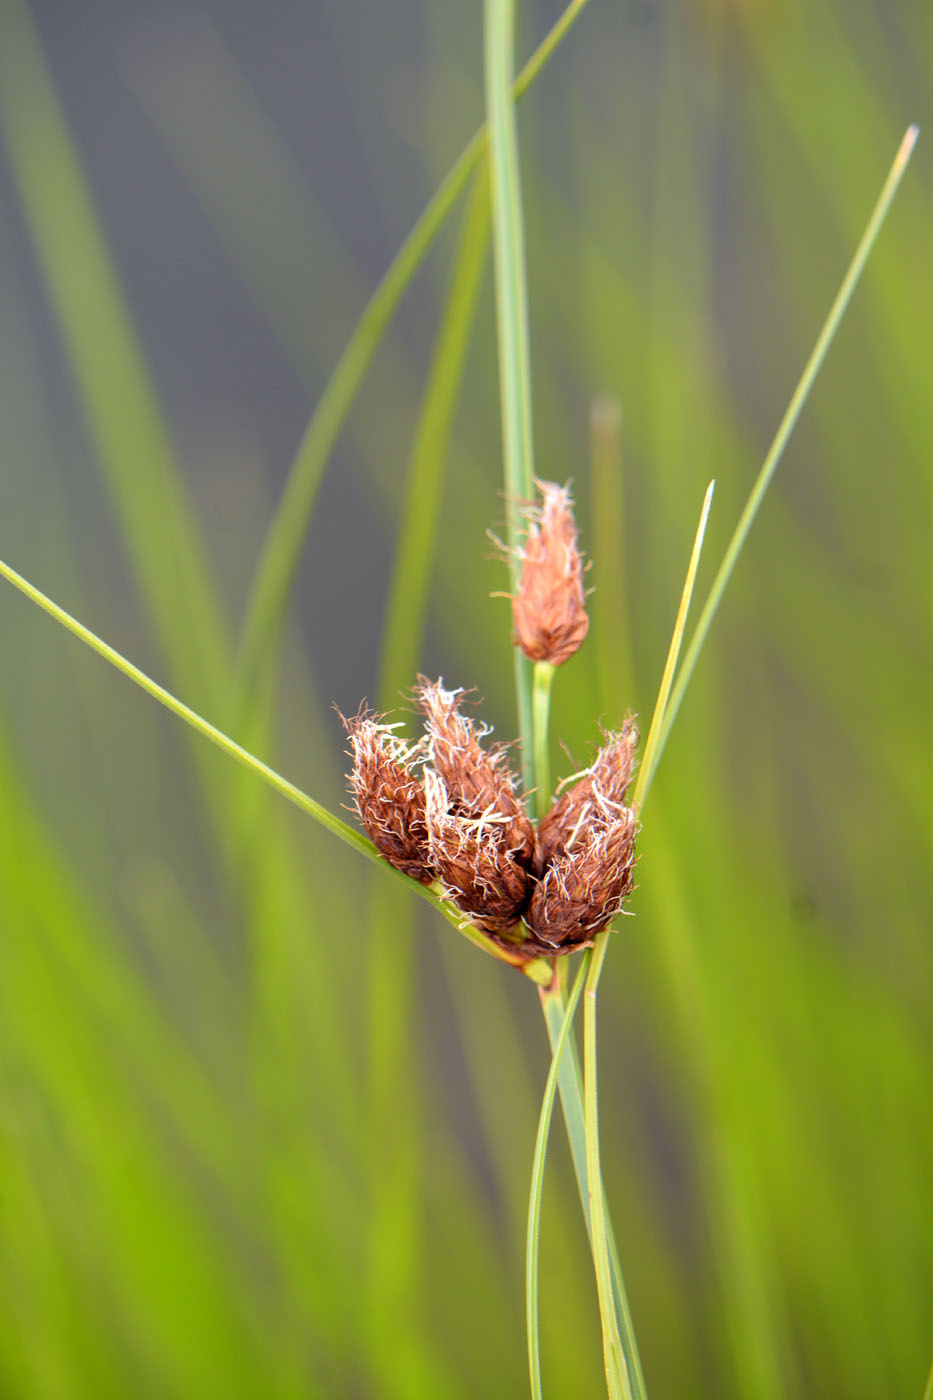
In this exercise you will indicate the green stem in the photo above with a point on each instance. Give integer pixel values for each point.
(623, 1365)
(543, 677)
(537, 1174)
(511, 318)
(613, 1354)
(570, 1083)
(518, 459)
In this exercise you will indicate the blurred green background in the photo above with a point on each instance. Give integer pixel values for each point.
(265, 1121)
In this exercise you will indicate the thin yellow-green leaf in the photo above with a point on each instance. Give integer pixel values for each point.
(651, 754)
(786, 427)
(617, 1378)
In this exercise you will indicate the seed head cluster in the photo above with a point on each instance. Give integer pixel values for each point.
(447, 809)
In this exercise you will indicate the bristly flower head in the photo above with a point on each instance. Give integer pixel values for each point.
(480, 871)
(479, 782)
(389, 798)
(587, 878)
(446, 809)
(602, 788)
(586, 848)
(549, 607)
(481, 841)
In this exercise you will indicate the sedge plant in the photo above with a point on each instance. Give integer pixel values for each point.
(535, 671)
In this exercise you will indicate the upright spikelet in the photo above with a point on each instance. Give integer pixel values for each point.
(479, 782)
(389, 798)
(549, 605)
(602, 787)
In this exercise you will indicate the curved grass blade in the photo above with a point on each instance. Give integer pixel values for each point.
(649, 758)
(391, 969)
(405, 611)
(278, 562)
(335, 825)
(537, 1180)
(785, 428)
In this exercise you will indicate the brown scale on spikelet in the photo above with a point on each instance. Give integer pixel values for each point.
(587, 879)
(478, 782)
(549, 607)
(586, 848)
(474, 860)
(606, 782)
(389, 798)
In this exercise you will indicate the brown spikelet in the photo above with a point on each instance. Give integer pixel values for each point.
(587, 880)
(603, 786)
(478, 782)
(474, 859)
(389, 798)
(549, 608)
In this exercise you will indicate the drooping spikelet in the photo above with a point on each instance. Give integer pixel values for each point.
(389, 798)
(549, 607)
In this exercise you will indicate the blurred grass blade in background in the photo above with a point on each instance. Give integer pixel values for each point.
(786, 426)
(666, 710)
(275, 570)
(421, 522)
(120, 404)
(393, 981)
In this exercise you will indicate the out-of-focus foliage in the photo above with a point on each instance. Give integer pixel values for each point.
(265, 1126)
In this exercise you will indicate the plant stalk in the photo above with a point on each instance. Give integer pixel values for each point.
(562, 1027)
(538, 970)
(541, 707)
(614, 1359)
